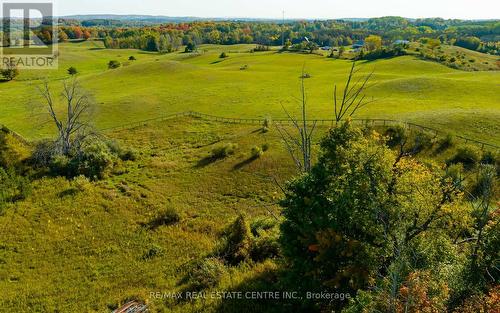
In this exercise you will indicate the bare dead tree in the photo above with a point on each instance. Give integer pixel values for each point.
(299, 143)
(73, 120)
(353, 96)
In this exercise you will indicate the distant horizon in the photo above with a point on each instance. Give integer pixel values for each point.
(294, 9)
(266, 18)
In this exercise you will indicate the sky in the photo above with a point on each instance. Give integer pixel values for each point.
(463, 9)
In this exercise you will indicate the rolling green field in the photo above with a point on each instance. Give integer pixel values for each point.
(74, 245)
(406, 88)
(78, 246)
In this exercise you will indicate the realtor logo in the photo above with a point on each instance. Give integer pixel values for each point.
(29, 36)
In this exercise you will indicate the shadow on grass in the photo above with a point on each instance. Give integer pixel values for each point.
(68, 193)
(165, 219)
(207, 161)
(242, 164)
(218, 61)
(267, 282)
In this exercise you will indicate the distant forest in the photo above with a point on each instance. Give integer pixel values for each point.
(483, 36)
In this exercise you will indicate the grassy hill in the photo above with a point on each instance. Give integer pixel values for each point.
(76, 246)
(407, 88)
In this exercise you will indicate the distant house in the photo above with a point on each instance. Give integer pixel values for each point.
(358, 44)
(401, 42)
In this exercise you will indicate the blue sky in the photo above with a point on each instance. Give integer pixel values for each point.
(467, 9)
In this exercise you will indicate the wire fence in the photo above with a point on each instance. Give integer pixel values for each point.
(326, 122)
(286, 121)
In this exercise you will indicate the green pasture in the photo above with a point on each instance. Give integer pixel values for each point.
(405, 88)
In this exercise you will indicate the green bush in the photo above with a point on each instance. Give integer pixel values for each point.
(132, 58)
(236, 242)
(262, 224)
(223, 151)
(92, 160)
(256, 152)
(396, 135)
(129, 155)
(114, 64)
(267, 122)
(165, 218)
(205, 274)
(72, 70)
(485, 180)
(490, 157)
(152, 252)
(265, 147)
(265, 247)
(468, 156)
(43, 153)
(13, 187)
(445, 143)
(423, 140)
(223, 55)
(60, 166)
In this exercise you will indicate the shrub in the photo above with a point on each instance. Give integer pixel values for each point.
(265, 147)
(190, 47)
(60, 166)
(152, 252)
(13, 187)
(236, 242)
(9, 73)
(224, 151)
(256, 152)
(205, 274)
(114, 64)
(490, 157)
(81, 183)
(132, 58)
(72, 70)
(485, 180)
(165, 218)
(468, 156)
(261, 48)
(265, 247)
(92, 160)
(129, 155)
(265, 243)
(223, 55)
(43, 153)
(396, 136)
(262, 224)
(423, 140)
(446, 143)
(244, 67)
(266, 125)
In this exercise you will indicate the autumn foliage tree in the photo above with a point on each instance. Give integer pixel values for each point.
(373, 42)
(366, 217)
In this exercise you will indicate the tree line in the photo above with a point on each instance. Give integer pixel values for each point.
(476, 35)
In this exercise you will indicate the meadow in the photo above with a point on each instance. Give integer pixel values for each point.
(76, 245)
(259, 85)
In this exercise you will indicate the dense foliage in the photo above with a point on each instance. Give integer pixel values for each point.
(393, 231)
(476, 35)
